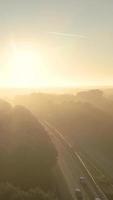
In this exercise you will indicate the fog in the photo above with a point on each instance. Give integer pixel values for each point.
(28, 154)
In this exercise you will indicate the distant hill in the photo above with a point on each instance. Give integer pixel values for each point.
(86, 118)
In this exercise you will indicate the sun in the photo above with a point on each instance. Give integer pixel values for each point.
(25, 67)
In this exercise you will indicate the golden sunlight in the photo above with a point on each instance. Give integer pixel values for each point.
(25, 67)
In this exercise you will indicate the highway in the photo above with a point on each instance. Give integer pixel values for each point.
(72, 166)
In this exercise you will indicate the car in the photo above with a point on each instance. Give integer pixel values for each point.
(83, 180)
(78, 194)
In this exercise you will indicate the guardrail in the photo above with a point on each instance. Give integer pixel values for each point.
(99, 191)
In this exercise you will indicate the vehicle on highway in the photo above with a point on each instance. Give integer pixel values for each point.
(78, 194)
(83, 180)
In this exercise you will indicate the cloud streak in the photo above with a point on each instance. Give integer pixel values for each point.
(68, 35)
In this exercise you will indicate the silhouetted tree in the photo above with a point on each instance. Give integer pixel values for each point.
(27, 155)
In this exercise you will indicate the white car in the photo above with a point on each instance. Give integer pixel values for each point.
(83, 180)
(78, 194)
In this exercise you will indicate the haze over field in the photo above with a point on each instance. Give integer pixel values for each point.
(56, 100)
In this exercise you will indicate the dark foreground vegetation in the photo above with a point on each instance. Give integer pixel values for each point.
(9, 192)
(27, 156)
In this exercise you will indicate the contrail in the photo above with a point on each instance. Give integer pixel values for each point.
(67, 34)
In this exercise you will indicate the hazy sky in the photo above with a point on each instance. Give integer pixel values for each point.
(71, 42)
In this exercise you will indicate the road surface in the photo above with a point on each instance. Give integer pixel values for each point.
(68, 164)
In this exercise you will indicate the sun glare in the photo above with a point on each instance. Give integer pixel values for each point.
(25, 67)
